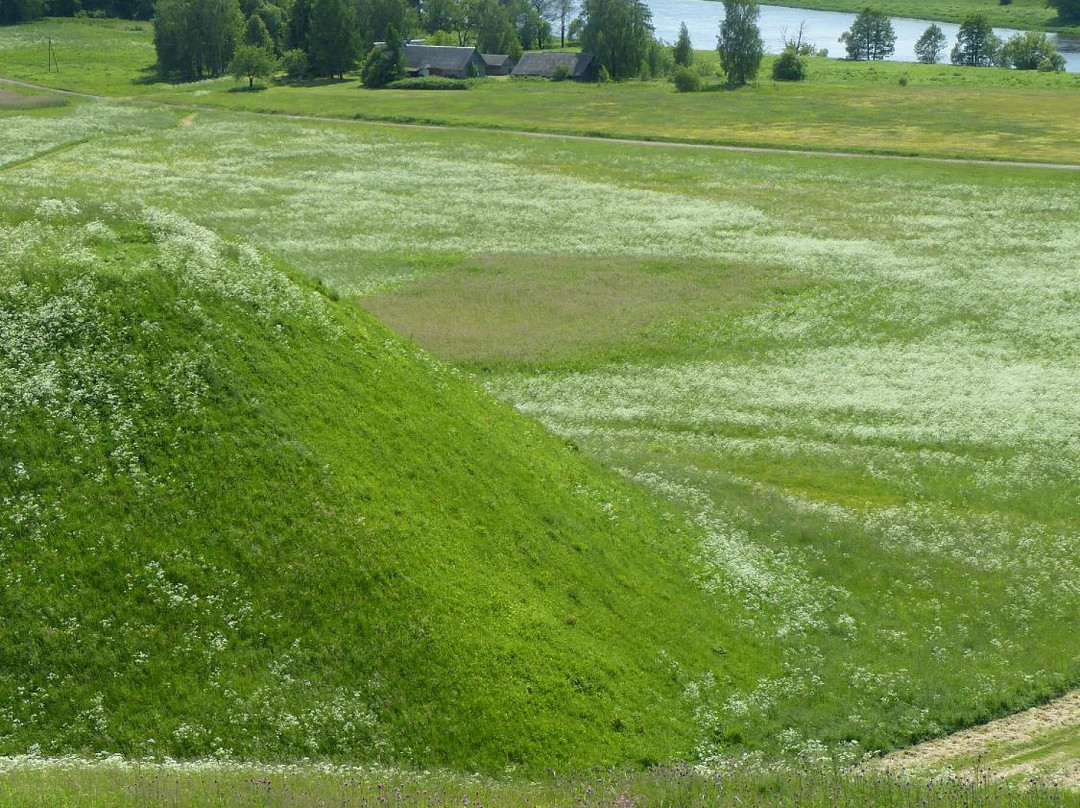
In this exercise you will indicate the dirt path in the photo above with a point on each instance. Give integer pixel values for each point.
(28, 85)
(666, 144)
(1043, 741)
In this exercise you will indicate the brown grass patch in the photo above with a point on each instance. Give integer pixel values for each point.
(540, 308)
(12, 99)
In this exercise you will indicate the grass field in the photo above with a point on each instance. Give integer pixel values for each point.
(859, 392)
(844, 392)
(943, 110)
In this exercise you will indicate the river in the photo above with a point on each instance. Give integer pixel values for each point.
(823, 28)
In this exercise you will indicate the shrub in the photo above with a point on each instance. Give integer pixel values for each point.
(659, 61)
(903, 80)
(789, 66)
(380, 68)
(295, 63)
(1031, 51)
(428, 83)
(560, 73)
(686, 80)
(603, 76)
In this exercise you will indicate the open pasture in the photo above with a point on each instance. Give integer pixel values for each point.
(855, 377)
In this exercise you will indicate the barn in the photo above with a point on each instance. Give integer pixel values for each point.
(544, 64)
(498, 64)
(443, 60)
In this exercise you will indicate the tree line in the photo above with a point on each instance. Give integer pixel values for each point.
(871, 36)
(199, 38)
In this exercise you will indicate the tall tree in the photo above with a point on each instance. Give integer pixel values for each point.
(683, 52)
(870, 37)
(739, 43)
(931, 45)
(256, 35)
(273, 18)
(563, 11)
(494, 31)
(976, 43)
(440, 15)
(16, 11)
(296, 34)
(533, 31)
(196, 38)
(332, 45)
(1068, 10)
(617, 33)
(375, 18)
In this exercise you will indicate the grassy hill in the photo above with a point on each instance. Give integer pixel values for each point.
(239, 517)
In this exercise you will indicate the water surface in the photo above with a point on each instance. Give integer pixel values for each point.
(823, 28)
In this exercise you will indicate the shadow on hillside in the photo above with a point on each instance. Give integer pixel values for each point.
(312, 82)
(722, 87)
(150, 75)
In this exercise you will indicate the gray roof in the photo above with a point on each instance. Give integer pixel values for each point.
(440, 57)
(496, 59)
(543, 64)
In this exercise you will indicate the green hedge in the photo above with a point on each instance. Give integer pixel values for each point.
(428, 83)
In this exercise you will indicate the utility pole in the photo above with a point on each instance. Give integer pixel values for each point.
(52, 59)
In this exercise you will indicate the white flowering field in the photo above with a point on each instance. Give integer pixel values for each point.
(856, 381)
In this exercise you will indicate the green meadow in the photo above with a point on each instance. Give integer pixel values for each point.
(470, 448)
(942, 110)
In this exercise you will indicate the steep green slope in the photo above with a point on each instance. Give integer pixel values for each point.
(241, 518)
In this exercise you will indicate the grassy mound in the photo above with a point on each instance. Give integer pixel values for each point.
(240, 518)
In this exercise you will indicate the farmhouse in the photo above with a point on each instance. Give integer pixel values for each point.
(544, 64)
(443, 60)
(498, 64)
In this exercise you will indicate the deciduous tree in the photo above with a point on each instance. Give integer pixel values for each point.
(494, 31)
(870, 37)
(1032, 51)
(739, 43)
(976, 44)
(196, 38)
(332, 40)
(617, 33)
(564, 11)
(252, 62)
(1068, 10)
(931, 45)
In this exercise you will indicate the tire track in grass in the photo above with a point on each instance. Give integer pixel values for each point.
(57, 149)
(1043, 741)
